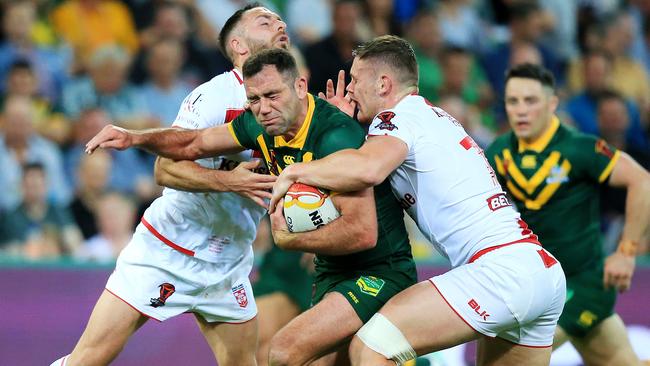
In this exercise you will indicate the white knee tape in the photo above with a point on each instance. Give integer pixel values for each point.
(382, 336)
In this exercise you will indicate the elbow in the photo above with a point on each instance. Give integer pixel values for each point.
(367, 239)
(372, 177)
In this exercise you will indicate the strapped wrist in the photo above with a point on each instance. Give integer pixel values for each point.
(628, 247)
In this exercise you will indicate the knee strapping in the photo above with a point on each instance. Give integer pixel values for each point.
(383, 337)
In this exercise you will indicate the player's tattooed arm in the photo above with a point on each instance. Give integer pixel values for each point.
(355, 230)
(189, 176)
(173, 143)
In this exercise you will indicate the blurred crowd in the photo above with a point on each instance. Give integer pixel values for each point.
(70, 67)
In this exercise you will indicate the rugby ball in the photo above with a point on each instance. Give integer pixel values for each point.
(307, 208)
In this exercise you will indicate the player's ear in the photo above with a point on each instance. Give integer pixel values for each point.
(553, 102)
(238, 46)
(300, 85)
(384, 84)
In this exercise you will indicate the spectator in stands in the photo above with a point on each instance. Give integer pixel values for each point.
(19, 145)
(425, 36)
(334, 53)
(465, 78)
(87, 25)
(93, 173)
(380, 18)
(164, 90)
(50, 65)
(525, 53)
(115, 217)
(311, 20)
(469, 117)
(107, 87)
(131, 171)
(582, 107)
(172, 21)
(460, 24)
(49, 122)
(37, 228)
(562, 28)
(526, 26)
(628, 77)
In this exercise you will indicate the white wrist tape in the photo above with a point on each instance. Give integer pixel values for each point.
(383, 337)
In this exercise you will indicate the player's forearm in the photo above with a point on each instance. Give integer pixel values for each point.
(173, 143)
(344, 171)
(340, 237)
(189, 176)
(637, 216)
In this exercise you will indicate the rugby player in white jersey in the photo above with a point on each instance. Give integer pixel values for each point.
(504, 289)
(192, 250)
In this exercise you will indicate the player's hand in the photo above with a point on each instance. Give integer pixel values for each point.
(619, 269)
(338, 97)
(279, 228)
(281, 186)
(110, 136)
(248, 184)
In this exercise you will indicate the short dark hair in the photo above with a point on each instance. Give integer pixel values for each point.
(280, 58)
(34, 165)
(230, 25)
(532, 71)
(395, 52)
(521, 10)
(21, 64)
(610, 94)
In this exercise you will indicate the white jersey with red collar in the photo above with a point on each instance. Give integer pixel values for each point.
(445, 184)
(215, 227)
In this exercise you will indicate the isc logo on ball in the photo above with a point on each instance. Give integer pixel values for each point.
(307, 208)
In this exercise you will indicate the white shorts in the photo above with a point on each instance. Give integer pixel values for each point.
(515, 293)
(161, 282)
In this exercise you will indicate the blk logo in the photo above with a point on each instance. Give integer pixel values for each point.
(477, 309)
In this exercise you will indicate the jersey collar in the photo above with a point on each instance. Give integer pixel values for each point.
(542, 142)
(298, 141)
(238, 76)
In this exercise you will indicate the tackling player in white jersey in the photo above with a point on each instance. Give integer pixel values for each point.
(504, 288)
(192, 251)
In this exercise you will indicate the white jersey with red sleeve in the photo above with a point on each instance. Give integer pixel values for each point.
(446, 184)
(215, 227)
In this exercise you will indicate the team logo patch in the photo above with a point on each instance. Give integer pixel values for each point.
(603, 148)
(240, 295)
(528, 162)
(557, 175)
(370, 285)
(386, 124)
(587, 318)
(166, 290)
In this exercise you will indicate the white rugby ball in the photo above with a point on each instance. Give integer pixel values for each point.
(307, 208)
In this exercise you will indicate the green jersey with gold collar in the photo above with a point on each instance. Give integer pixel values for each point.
(555, 185)
(326, 130)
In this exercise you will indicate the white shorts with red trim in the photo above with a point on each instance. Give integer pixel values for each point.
(515, 292)
(160, 282)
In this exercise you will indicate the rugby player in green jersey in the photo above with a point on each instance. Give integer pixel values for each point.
(553, 174)
(363, 257)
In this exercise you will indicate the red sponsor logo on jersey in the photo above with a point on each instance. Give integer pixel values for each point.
(166, 290)
(499, 200)
(477, 309)
(385, 118)
(239, 292)
(603, 148)
(231, 114)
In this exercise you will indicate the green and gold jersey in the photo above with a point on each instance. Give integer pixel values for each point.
(326, 130)
(555, 183)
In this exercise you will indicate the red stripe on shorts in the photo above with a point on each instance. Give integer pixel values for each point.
(165, 240)
(532, 240)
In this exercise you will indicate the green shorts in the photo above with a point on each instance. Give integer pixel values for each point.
(282, 272)
(587, 302)
(369, 289)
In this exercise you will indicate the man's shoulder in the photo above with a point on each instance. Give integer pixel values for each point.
(504, 141)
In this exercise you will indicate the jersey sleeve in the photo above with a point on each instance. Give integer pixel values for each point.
(596, 158)
(245, 130)
(388, 123)
(344, 136)
(492, 155)
(200, 110)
